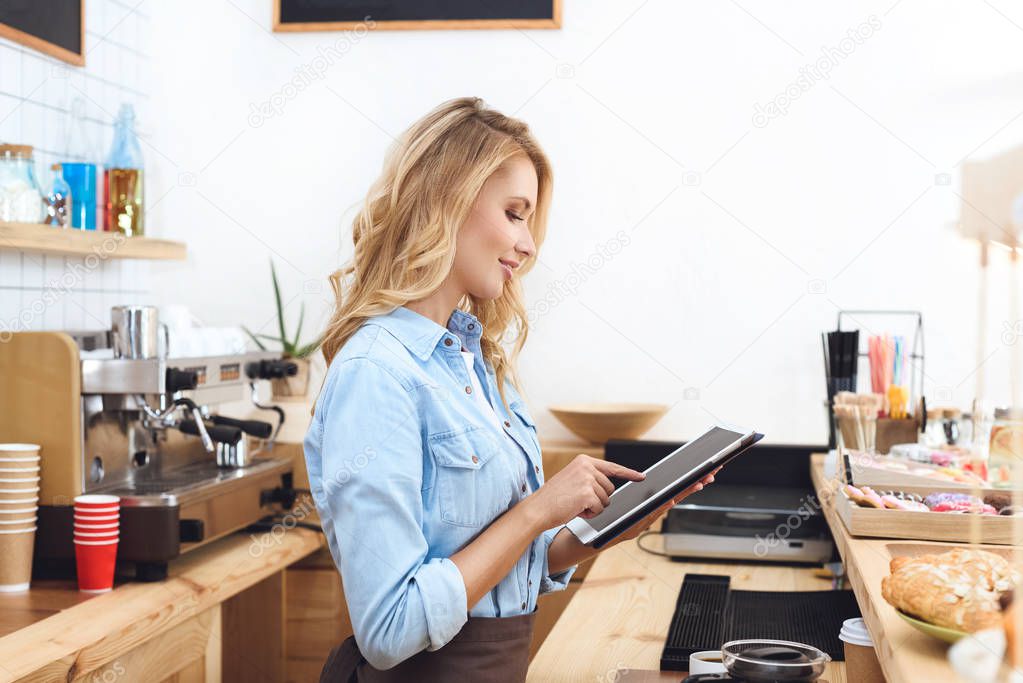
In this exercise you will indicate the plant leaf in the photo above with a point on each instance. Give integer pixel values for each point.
(277, 299)
(306, 350)
(261, 345)
(301, 317)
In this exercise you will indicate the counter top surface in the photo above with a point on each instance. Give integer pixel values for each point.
(906, 655)
(619, 618)
(54, 622)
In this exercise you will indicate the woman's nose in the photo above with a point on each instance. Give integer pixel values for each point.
(526, 246)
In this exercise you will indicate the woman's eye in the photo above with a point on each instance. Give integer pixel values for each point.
(511, 216)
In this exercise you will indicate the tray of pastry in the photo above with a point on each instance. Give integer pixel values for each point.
(952, 593)
(930, 514)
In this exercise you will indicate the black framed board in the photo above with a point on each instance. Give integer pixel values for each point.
(53, 27)
(337, 15)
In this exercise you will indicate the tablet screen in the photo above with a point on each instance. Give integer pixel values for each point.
(661, 475)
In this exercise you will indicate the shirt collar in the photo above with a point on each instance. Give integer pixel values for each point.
(420, 335)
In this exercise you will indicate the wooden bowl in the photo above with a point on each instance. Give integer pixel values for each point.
(598, 422)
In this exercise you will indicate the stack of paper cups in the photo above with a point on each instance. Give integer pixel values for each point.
(19, 501)
(97, 529)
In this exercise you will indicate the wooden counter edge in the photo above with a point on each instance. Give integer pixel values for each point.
(905, 654)
(134, 612)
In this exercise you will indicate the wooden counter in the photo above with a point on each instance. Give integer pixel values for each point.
(218, 615)
(906, 655)
(620, 615)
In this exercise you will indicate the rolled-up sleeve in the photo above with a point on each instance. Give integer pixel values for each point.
(370, 497)
(550, 583)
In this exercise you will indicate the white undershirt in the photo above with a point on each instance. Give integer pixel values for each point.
(477, 390)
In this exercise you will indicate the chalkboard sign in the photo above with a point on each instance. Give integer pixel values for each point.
(55, 27)
(336, 15)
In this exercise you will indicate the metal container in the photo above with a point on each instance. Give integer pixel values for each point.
(135, 332)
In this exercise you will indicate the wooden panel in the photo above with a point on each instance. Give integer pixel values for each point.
(174, 650)
(317, 613)
(253, 633)
(317, 620)
(133, 613)
(549, 608)
(92, 244)
(41, 369)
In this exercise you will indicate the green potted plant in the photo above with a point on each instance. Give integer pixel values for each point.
(296, 387)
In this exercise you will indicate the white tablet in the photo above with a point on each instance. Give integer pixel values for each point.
(665, 479)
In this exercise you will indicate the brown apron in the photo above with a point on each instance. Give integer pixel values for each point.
(487, 650)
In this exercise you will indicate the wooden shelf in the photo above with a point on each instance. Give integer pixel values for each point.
(71, 242)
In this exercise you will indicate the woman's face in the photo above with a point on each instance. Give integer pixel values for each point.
(495, 238)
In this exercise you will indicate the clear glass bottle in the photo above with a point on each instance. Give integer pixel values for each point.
(122, 178)
(58, 200)
(20, 198)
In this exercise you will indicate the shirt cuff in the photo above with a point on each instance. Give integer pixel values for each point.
(557, 582)
(444, 599)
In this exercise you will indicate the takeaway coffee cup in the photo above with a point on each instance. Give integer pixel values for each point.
(861, 663)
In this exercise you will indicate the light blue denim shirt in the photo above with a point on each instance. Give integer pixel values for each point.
(406, 469)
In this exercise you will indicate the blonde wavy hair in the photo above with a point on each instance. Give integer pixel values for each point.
(404, 234)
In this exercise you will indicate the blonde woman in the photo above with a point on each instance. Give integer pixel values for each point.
(423, 458)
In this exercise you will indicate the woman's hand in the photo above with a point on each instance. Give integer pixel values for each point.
(643, 524)
(581, 489)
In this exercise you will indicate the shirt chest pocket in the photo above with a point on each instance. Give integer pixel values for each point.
(518, 409)
(469, 479)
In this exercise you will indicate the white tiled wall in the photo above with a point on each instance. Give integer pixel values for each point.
(37, 97)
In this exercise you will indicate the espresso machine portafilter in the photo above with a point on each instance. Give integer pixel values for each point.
(149, 429)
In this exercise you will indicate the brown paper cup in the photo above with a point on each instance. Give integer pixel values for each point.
(26, 508)
(17, 523)
(16, 561)
(18, 494)
(861, 664)
(9, 451)
(18, 479)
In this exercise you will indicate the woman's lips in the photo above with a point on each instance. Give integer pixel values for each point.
(507, 271)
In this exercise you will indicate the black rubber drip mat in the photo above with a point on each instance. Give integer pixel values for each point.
(708, 614)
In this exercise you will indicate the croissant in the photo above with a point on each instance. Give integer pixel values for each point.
(958, 589)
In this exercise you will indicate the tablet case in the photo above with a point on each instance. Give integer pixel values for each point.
(651, 504)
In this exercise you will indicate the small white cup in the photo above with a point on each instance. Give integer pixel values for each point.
(706, 662)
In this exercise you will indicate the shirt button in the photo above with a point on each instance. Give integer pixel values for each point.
(523, 488)
(523, 605)
(536, 469)
(507, 424)
(475, 459)
(447, 341)
(472, 326)
(531, 582)
(468, 390)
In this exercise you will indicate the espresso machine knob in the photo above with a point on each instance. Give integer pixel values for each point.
(271, 369)
(181, 380)
(218, 433)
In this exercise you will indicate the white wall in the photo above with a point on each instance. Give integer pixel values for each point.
(743, 240)
(38, 95)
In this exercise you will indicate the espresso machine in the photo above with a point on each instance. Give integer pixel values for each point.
(115, 414)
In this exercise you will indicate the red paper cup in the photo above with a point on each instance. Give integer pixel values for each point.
(93, 514)
(95, 520)
(96, 535)
(97, 526)
(91, 501)
(95, 562)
